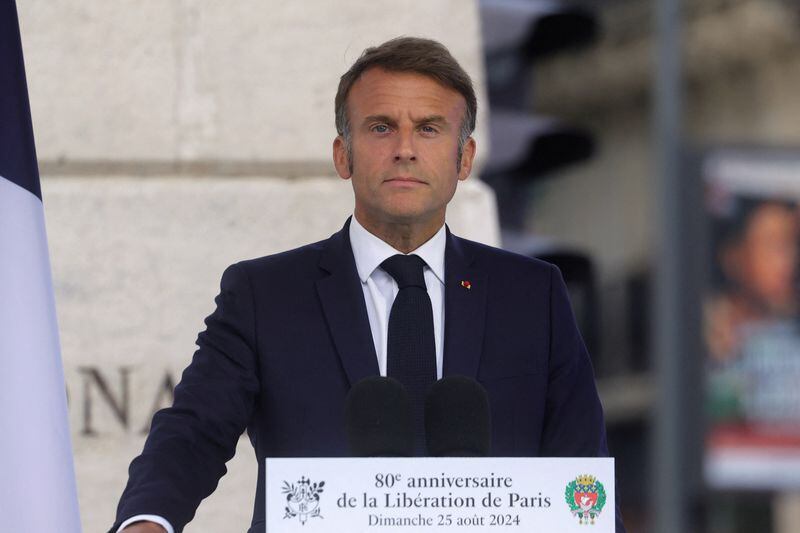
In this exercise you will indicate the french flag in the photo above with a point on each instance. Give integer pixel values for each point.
(37, 479)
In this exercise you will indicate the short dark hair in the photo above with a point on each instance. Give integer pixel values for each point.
(410, 54)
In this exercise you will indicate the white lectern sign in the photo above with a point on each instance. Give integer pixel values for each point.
(313, 495)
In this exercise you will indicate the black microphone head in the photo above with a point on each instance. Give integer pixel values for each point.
(377, 413)
(457, 418)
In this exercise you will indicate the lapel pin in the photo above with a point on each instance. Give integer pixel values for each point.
(466, 284)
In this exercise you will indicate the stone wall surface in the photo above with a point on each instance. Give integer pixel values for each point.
(175, 138)
(189, 80)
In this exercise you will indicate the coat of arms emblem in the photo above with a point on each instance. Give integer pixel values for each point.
(302, 499)
(586, 498)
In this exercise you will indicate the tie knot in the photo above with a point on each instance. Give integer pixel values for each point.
(406, 270)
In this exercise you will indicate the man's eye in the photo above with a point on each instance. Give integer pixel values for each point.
(380, 128)
(428, 129)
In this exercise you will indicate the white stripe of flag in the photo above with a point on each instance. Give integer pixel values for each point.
(37, 479)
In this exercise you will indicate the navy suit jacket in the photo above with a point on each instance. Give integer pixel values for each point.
(290, 336)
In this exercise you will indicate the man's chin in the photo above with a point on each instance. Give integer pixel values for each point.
(406, 216)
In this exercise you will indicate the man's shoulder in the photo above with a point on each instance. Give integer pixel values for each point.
(291, 268)
(497, 260)
(294, 261)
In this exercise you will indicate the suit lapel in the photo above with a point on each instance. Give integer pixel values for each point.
(465, 291)
(343, 304)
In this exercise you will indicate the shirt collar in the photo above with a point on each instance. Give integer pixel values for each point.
(370, 251)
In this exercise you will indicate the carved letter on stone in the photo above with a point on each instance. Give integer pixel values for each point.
(119, 405)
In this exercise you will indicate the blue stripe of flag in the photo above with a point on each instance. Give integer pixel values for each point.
(17, 150)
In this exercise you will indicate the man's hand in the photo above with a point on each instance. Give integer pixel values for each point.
(144, 527)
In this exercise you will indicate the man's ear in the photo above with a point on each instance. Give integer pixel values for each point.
(467, 157)
(341, 158)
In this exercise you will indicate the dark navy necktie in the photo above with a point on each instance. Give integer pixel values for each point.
(411, 348)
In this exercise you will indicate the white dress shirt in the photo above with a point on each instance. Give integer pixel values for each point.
(380, 290)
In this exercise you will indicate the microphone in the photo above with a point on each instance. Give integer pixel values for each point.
(457, 418)
(377, 413)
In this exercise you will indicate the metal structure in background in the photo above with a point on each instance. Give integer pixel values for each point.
(668, 501)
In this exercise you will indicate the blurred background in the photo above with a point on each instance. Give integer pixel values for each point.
(175, 138)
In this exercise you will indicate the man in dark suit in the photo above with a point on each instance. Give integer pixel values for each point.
(292, 332)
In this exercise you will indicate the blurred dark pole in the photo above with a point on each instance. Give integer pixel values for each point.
(668, 503)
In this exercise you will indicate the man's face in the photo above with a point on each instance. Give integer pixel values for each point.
(405, 129)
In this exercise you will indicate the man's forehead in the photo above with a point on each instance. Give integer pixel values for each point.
(383, 91)
(415, 117)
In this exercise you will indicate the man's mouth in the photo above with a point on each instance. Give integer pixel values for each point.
(404, 180)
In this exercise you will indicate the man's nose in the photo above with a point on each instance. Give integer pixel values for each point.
(405, 151)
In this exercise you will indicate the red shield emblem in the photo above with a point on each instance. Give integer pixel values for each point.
(586, 500)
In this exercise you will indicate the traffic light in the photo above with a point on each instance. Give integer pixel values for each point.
(526, 147)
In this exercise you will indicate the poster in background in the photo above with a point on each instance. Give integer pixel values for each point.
(751, 318)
